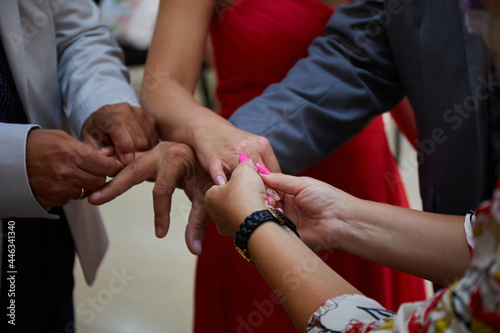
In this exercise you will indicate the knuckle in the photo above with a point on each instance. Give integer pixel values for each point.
(95, 183)
(175, 149)
(262, 141)
(162, 191)
(141, 143)
(133, 168)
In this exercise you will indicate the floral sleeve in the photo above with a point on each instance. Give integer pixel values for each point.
(472, 304)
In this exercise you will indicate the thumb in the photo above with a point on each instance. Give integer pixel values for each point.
(285, 183)
(217, 172)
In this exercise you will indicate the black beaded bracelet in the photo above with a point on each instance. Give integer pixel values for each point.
(252, 222)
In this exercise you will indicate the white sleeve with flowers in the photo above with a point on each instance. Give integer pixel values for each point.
(472, 304)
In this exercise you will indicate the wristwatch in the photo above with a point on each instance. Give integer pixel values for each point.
(252, 222)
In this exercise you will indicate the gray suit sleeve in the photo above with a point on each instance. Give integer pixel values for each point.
(328, 97)
(90, 65)
(16, 199)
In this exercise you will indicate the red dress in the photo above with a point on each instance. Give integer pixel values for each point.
(255, 43)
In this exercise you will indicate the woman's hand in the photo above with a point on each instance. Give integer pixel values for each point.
(318, 209)
(218, 144)
(229, 204)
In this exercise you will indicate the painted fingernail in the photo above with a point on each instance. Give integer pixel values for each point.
(272, 193)
(262, 169)
(281, 210)
(268, 201)
(220, 180)
(159, 232)
(243, 158)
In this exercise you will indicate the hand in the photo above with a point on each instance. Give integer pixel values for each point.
(219, 145)
(127, 127)
(231, 203)
(59, 166)
(170, 165)
(318, 209)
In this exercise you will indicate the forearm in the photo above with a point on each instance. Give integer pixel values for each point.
(179, 115)
(173, 66)
(299, 278)
(432, 246)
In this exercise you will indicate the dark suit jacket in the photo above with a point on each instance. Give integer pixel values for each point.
(373, 53)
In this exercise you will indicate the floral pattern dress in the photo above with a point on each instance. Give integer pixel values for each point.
(472, 304)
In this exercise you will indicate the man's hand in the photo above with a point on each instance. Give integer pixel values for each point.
(170, 165)
(59, 167)
(126, 127)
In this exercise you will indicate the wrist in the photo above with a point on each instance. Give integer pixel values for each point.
(352, 211)
(242, 214)
(255, 221)
(208, 125)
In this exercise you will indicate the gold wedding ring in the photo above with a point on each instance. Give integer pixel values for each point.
(82, 194)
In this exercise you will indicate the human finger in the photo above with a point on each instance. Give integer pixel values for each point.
(135, 173)
(197, 224)
(96, 163)
(216, 170)
(285, 183)
(124, 142)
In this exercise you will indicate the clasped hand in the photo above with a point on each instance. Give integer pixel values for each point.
(61, 168)
(317, 209)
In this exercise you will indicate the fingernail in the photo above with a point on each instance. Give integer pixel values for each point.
(159, 232)
(262, 169)
(197, 246)
(281, 210)
(220, 180)
(272, 193)
(268, 201)
(243, 158)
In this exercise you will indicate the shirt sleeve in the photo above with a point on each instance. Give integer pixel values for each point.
(348, 77)
(16, 198)
(90, 65)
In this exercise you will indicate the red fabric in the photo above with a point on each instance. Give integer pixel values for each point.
(255, 43)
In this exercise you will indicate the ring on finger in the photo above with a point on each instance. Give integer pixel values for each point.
(82, 195)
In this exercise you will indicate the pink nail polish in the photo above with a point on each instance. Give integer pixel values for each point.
(268, 201)
(262, 169)
(243, 158)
